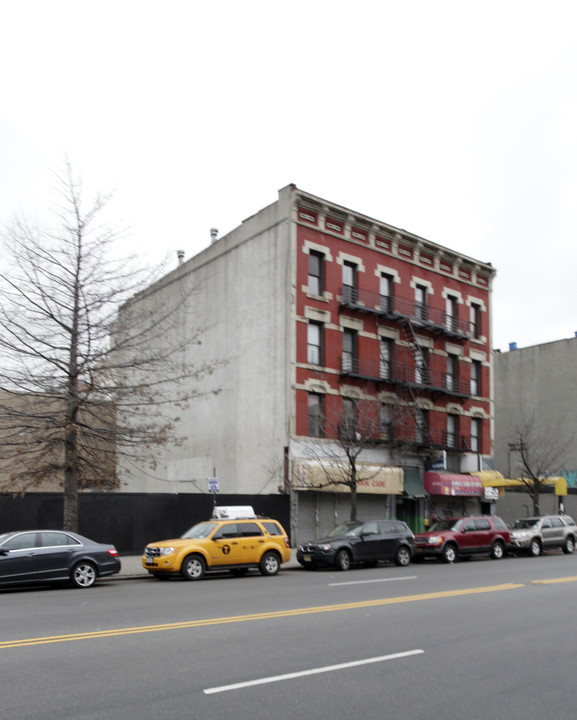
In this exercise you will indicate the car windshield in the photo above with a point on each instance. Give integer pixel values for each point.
(3, 537)
(351, 528)
(451, 524)
(199, 531)
(525, 523)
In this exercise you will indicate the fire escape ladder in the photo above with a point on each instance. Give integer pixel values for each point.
(408, 387)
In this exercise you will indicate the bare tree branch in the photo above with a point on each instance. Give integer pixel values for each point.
(80, 388)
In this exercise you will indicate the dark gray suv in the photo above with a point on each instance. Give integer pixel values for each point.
(533, 535)
(364, 543)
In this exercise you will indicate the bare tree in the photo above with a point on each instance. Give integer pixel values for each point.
(343, 435)
(536, 456)
(78, 389)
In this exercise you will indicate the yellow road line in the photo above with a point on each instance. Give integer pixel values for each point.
(6, 644)
(554, 581)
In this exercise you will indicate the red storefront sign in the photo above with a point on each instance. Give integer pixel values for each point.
(440, 483)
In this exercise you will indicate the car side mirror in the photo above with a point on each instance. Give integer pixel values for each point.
(4, 551)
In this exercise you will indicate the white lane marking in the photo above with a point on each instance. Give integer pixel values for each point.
(363, 582)
(312, 671)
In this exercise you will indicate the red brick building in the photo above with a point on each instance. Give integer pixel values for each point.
(393, 340)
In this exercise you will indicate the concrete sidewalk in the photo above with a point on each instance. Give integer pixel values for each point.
(132, 566)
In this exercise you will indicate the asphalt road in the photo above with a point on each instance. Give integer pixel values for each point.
(480, 639)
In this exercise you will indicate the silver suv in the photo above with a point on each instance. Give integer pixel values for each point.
(535, 534)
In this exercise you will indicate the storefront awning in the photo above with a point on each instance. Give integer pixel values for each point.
(492, 478)
(413, 484)
(328, 477)
(442, 483)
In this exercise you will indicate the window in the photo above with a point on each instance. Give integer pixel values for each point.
(51, 539)
(350, 422)
(314, 344)
(272, 528)
(386, 422)
(316, 280)
(249, 529)
(315, 415)
(451, 313)
(475, 320)
(371, 528)
(386, 292)
(475, 378)
(385, 357)
(422, 426)
(22, 542)
(475, 435)
(349, 350)
(231, 530)
(452, 430)
(421, 312)
(452, 368)
(482, 524)
(349, 282)
(421, 365)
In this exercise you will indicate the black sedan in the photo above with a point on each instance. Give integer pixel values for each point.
(360, 543)
(35, 557)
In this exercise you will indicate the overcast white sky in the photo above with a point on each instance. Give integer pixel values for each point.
(454, 120)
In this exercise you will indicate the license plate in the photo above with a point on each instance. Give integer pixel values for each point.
(150, 562)
(307, 558)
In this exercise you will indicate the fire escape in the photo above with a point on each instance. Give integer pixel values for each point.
(411, 375)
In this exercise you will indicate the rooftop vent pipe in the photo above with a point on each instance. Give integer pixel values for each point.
(213, 235)
(180, 256)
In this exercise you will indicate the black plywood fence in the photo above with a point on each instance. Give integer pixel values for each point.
(130, 520)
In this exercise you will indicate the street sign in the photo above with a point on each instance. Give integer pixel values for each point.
(213, 485)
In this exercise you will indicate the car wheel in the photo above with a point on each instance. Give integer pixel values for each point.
(193, 567)
(343, 560)
(497, 550)
(534, 548)
(449, 554)
(403, 556)
(83, 575)
(569, 546)
(269, 564)
(239, 572)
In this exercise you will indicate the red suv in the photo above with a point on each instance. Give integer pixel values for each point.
(453, 538)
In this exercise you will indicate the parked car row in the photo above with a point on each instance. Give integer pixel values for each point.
(237, 544)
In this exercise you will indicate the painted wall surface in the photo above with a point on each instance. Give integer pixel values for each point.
(237, 430)
(538, 385)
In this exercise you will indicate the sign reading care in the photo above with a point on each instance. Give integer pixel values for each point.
(328, 477)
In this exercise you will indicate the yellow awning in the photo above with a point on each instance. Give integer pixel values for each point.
(493, 478)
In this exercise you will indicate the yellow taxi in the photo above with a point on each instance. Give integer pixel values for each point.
(236, 544)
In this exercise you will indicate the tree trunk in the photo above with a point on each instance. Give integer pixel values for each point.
(354, 501)
(71, 481)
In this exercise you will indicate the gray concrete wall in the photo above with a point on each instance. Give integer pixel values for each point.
(538, 385)
(239, 428)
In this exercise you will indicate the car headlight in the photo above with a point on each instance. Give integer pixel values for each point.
(166, 551)
(325, 547)
(435, 540)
